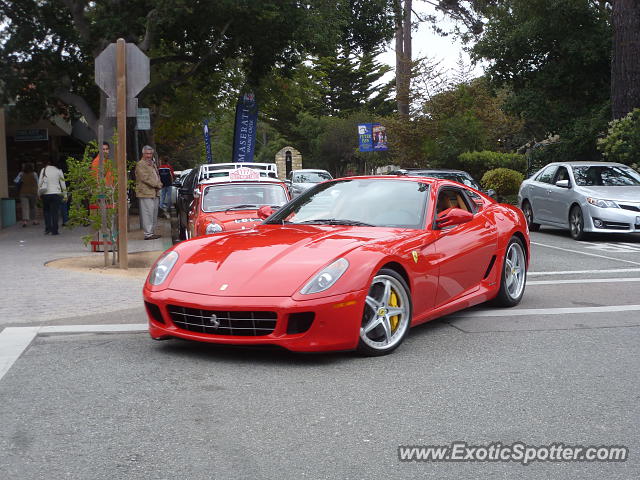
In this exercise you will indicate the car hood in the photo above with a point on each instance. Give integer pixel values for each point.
(303, 186)
(268, 261)
(625, 194)
(229, 220)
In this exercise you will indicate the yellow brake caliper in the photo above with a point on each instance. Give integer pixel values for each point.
(393, 302)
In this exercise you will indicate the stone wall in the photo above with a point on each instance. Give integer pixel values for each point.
(281, 161)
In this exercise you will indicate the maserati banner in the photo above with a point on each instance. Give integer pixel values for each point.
(244, 135)
(207, 141)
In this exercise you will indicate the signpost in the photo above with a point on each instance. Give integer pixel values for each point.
(122, 71)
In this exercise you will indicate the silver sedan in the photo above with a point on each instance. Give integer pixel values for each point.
(583, 197)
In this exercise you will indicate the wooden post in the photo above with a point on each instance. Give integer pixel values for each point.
(102, 202)
(121, 81)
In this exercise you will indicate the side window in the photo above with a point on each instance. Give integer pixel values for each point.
(561, 174)
(190, 182)
(546, 175)
(452, 198)
(474, 200)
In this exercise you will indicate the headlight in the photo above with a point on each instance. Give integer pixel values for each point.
(162, 268)
(602, 203)
(213, 227)
(326, 277)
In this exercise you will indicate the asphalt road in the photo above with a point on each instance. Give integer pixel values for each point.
(562, 367)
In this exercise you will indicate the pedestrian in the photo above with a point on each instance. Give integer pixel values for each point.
(148, 186)
(166, 177)
(52, 189)
(107, 166)
(27, 182)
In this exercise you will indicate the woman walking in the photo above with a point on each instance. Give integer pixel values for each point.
(27, 180)
(52, 189)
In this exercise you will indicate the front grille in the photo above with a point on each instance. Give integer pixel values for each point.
(220, 322)
(616, 225)
(629, 207)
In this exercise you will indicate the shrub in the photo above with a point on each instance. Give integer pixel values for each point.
(503, 180)
(622, 143)
(479, 163)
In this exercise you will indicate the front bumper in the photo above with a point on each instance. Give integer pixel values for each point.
(611, 220)
(335, 326)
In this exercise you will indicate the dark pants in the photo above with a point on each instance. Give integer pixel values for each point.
(51, 208)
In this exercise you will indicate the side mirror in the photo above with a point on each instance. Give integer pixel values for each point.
(562, 183)
(265, 211)
(453, 216)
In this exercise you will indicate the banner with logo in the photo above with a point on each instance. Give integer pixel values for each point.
(379, 138)
(372, 137)
(244, 135)
(365, 137)
(207, 141)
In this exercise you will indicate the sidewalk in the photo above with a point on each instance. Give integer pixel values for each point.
(35, 294)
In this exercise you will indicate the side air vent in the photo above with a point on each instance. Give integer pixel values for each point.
(490, 267)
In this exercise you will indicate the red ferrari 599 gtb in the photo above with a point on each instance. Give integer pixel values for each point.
(352, 263)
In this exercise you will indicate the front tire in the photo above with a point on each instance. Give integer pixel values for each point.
(387, 314)
(528, 215)
(576, 223)
(513, 276)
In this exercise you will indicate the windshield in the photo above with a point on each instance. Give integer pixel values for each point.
(365, 202)
(229, 195)
(311, 177)
(605, 176)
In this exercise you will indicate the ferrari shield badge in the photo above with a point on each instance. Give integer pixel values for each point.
(414, 254)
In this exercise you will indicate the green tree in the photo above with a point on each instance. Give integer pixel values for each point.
(466, 118)
(47, 47)
(622, 143)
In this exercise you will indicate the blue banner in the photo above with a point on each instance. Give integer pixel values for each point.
(372, 137)
(365, 137)
(244, 135)
(207, 141)
(379, 138)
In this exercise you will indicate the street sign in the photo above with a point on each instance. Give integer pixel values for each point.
(143, 119)
(138, 72)
(31, 135)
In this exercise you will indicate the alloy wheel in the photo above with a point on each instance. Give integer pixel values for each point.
(515, 270)
(576, 223)
(387, 313)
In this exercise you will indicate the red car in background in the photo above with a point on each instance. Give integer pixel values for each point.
(352, 263)
(228, 200)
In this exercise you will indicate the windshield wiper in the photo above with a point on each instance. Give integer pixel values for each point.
(335, 221)
(238, 207)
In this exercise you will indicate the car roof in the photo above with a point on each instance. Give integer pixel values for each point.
(310, 170)
(410, 171)
(227, 180)
(586, 163)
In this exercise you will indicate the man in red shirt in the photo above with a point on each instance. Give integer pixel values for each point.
(107, 166)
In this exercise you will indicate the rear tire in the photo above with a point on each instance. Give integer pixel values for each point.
(513, 276)
(528, 215)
